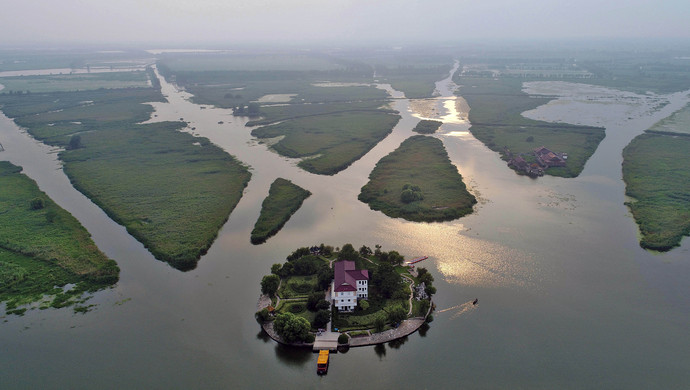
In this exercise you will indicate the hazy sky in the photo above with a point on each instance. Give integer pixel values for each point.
(338, 21)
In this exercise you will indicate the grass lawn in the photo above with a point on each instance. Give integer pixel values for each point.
(656, 172)
(331, 142)
(496, 107)
(284, 199)
(421, 162)
(44, 248)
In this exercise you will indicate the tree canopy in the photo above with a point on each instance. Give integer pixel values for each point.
(291, 327)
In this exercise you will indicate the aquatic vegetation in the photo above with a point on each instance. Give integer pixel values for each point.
(171, 190)
(420, 165)
(656, 172)
(44, 249)
(330, 143)
(283, 200)
(496, 108)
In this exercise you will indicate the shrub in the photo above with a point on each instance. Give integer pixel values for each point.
(296, 308)
(37, 203)
(262, 315)
(343, 339)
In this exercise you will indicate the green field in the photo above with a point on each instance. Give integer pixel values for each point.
(75, 82)
(329, 143)
(283, 200)
(656, 172)
(421, 163)
(43, 248)
(496, 107)
(172, 191)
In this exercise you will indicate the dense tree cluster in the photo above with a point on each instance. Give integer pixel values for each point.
(291, 327)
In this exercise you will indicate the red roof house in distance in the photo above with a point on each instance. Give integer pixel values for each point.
(349, 284)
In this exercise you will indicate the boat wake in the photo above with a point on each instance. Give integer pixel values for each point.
(459, 309)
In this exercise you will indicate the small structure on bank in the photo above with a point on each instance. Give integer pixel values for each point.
(547, 158)
(349, 285)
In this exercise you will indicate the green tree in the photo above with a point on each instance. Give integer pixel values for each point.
(262, 315)
(291, 328)
(74, 142)
(379, 324)
(275, 269)
(269, 284)
(424, 306)
(348, 252)
(365, 251)
(314, 299)
(37, 204)
(397, 315)
(324, 278)
(322, 318)
(363, 304)
(386, 280)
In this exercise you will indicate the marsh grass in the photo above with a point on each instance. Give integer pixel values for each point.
(42, 250)
(283, 200)
(423, 162)
(496, 108)
(656, 172)
(332, 142)
(170, 194)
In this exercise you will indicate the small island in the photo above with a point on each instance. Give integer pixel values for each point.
(427, 126)
(284, 199)
(324, 298)
(418, 182)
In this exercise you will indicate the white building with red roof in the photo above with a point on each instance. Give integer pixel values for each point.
(349, 285)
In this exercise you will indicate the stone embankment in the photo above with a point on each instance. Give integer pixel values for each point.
(405, 328)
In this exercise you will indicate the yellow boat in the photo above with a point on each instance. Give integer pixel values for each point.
(322, 363)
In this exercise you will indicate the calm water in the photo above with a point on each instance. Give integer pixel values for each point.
(567, 299)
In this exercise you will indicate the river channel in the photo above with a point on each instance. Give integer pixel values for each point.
(567, 298)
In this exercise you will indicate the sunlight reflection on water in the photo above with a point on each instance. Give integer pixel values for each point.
(462, 259)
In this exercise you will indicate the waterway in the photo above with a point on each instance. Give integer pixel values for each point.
(567, 298)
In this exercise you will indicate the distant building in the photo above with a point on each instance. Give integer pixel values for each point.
(349, 285)
(547, 158)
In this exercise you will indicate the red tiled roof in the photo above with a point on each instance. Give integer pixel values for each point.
(346, 276)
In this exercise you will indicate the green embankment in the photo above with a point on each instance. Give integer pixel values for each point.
(421, 167)
(329, 143)
(426, 126)
(43, 248)
(496, 106)
(172, 191)
(284, 199)
(656, 171)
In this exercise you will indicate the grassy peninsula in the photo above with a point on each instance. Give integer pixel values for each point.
(496, 108)
(656, 172)
(418, 182)
(426, 126)
(284, 199)
(172, 191)
(43, 248)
